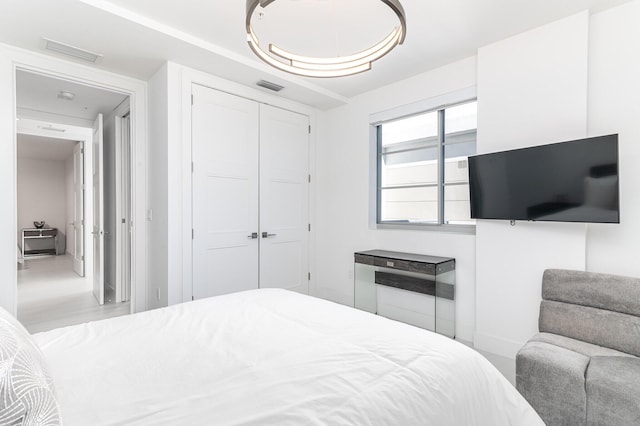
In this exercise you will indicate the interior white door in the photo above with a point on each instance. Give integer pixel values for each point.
(78, 209)
(98, 213)
(225, 193)
(124, 200)
(118, 210)
(284, 199)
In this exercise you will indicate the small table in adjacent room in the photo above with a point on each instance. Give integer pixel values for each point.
(431, 279)
(45, 242)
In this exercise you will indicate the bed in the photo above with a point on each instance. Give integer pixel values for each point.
(269, 357)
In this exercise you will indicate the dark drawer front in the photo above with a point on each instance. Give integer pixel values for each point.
(405, 265)
(364, 259)
(418, 285)
(445, 291)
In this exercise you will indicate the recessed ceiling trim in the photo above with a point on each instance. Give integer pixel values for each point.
(72, 51)
(177, 34)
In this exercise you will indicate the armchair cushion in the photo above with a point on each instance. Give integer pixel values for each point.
(551, 378)
(579, 346)
(613, 385)
(611, 292)
(594, 325)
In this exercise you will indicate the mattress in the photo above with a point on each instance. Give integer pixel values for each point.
(272, 357)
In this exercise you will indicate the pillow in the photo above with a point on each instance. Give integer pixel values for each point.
(27, 396)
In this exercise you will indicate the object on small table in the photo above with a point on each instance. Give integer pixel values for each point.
(38, 223)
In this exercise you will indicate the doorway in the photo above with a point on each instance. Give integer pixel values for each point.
(80, 136)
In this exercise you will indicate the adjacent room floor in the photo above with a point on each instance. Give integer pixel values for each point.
(51, 295)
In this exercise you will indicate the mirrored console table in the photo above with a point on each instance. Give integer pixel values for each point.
(45, 242)
(428, 283)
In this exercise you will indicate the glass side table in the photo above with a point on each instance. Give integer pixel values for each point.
(431, 276)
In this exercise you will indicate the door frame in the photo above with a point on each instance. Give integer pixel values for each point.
(122, 201)
(98, 219)
(182, 91)
(13, 59)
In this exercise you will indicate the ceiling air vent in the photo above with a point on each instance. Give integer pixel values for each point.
(72, 51)
(269, 85)
(50, 127)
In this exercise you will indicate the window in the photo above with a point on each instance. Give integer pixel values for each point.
(422, 168)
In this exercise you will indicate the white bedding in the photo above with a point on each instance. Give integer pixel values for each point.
(272, 357)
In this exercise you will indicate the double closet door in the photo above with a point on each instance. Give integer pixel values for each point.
(250, 195)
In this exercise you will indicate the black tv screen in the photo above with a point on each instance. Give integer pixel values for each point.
(575, 181)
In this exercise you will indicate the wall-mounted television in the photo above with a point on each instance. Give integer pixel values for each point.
(574, 181)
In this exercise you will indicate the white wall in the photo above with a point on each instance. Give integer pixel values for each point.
(532, 90)
(166, 186)
(573, 78)
(343, 193)
(8, 221)
(614, 107)
(69, 205)
(158, 192)
(41, 194)
(581, 79)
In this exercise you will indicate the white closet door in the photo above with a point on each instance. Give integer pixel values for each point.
(284, 199)
(225, 193)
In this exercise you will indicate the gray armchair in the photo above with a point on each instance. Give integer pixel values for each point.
(583, 366)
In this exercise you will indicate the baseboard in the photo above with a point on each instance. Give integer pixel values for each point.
(496, 345)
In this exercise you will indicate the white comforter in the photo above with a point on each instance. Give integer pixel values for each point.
(272, 357)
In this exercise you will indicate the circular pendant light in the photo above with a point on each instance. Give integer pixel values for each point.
(338, 66)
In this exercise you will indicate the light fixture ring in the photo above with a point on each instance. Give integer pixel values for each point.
(325, 67)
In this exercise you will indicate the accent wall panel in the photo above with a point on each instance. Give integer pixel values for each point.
(532, 90)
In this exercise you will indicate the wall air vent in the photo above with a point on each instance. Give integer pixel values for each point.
(269, 85)
(72, 51)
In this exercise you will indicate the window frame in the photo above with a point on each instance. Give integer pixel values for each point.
(439, 104)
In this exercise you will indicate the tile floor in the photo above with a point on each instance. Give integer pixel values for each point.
(51, 295)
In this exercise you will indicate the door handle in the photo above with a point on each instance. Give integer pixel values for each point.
(267, 235)
(253, 235)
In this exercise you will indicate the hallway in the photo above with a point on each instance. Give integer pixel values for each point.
(51, 295)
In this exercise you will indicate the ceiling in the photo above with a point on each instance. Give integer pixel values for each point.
(37, 94)
(41, 148)
(137, 36)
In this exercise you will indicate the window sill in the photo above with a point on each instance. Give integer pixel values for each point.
(450, 229)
